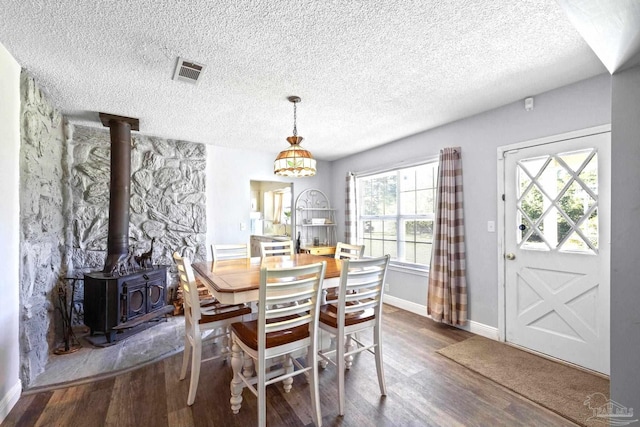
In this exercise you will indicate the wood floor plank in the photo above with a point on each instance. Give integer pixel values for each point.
(139, 398)
(28, 409)
(64, 407)
(424, 389)
(178, 413)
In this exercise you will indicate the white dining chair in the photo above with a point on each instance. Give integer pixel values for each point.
(221, 252)
(343, 251)
(287, 323)
(358, 308)
(199, 320)
(284, 248)
(346, 250)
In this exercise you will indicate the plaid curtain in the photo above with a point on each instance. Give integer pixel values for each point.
(447, 294)
(350, 215)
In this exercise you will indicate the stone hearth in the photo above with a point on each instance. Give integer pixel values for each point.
(89, 363)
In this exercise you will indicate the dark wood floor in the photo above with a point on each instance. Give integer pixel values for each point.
(424, 389)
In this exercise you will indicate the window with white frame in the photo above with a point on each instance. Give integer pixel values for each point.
(396, 213)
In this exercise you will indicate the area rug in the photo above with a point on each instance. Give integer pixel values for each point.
(570, 392)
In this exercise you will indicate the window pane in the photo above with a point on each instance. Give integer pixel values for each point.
(388, 194)
(425, 202)
(410, 252)
(390, 229)
(391, 248)
(376, 229)
(378, 195)
(589, 175)
(419, 231)
(365, 190)
(408, 179)
(367, 229)
(408, 203)
(425, 176)
(424, 231)
(373, 247)
(417, 238)
(423, 253)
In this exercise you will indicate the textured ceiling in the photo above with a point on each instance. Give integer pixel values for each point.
(368, 72)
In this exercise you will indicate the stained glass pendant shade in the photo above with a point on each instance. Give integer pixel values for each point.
(295, 161)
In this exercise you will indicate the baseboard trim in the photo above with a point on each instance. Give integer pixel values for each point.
(482, 330)
(421, 310)
(9, 400)
(412, 307)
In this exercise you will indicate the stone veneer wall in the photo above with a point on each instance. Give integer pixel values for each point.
(43, 207)
(64, 207)
(167, 197)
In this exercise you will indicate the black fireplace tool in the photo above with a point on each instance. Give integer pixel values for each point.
(65, 306)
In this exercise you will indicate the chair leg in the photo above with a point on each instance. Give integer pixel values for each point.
(377, 336)
(288, 368)
(312, 360)
(249, 367)
(226, 345)
(340, 362)
(325, 343)
(262, 396)
(349, 346)
(237, 361)
(185, 358)
(196, 358)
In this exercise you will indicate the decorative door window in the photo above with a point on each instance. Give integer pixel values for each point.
(558, 202)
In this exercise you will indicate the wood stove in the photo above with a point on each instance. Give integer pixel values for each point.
(124, 294)
(118, 303)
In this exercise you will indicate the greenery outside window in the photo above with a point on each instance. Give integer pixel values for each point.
(396, 213)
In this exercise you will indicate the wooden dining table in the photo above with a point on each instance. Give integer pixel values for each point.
(237, 281)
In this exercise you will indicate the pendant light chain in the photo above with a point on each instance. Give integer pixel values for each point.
(295, 130)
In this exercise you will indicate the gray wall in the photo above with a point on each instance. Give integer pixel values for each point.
(573, 107)
(10, 386)
(625, 239)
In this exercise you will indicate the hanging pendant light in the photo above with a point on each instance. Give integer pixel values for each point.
(295, 161)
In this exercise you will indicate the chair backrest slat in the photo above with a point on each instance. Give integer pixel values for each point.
(288, 310)
(347, 251)
(189, 286)
(276, 248)
(288, 323)
(229, 251)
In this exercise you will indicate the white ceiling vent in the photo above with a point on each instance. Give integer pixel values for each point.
(188, 71)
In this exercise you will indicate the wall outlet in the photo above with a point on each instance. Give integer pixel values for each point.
(243, 226)
(386, 287)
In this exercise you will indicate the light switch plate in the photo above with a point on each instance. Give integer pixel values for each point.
(491, 226)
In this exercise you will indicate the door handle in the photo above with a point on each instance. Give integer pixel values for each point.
(510, 256)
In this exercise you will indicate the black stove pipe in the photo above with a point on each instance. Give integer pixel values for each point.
(119, 193)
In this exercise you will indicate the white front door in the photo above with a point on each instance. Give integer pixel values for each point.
(556, 248)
